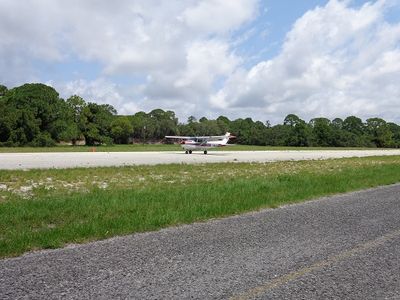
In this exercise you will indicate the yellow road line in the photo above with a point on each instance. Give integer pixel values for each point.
(262, 289)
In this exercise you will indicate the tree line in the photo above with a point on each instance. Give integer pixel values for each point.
(35, 115)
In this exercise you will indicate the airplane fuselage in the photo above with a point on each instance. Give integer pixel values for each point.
(199, 146)
(203, 143)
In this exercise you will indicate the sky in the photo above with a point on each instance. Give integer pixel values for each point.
(237, 58)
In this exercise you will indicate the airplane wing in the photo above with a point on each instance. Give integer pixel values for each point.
(209, 137)
(206, 138)
(178, 137)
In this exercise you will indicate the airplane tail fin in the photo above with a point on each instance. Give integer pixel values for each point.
(226, 138)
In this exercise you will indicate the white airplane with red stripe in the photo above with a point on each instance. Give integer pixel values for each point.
(201, 143)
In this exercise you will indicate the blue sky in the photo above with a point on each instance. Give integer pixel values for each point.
(242, 58)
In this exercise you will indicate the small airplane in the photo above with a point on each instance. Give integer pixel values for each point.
(201, 143)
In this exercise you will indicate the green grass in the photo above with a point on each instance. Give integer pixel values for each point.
(156, 147)
(135, 199)
(112, 148)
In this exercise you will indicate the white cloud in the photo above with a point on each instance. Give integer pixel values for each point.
(30, 29)
(126, 36)
(206, 60)
(182, 47)
(335, 61)
(218, 16)
(99, 90)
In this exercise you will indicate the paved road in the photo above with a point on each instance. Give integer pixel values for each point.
(88, 159)
(342, 247)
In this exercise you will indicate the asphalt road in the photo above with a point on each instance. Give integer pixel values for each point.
(97, 159)
(341, 247)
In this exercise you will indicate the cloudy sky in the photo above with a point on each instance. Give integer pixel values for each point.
(239, 58)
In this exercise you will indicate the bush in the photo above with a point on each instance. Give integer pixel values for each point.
(7, 144)
(43, 139)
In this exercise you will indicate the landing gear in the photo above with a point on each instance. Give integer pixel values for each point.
(205, 151)
(186, 152)
(190, 151)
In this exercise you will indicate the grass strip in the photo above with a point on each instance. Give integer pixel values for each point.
(102, 148)
(53, 220)
(160, 147)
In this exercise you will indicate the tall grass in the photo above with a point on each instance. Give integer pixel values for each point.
(53, 220)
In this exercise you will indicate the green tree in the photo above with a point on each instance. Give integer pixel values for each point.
(242, 129)
(211, 127)
(161, 123)
(190, 128)
(3, 90)
(379, 132)
(248, 132)
(395, 129)
(338, 134)
(354, 133)
(292, 120)
(279, 135)
(223, 124)
(297, 131)
(354, 125)
(191, 120)
(97, 123)
(322, 133)
(140, 123)
(258, 134)
(6, 123)
(337, 123)
(203, 119)
(74, 112)
(121, 130)
(35, 115)
(223, 119)
(11, 132)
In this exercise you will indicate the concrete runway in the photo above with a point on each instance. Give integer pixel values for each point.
(341, 247)
(98, 159)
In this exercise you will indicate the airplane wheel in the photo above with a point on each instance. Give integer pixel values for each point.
(190, 151)
(205, 151)
(186, 152)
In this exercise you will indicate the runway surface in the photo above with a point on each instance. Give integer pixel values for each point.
(98, 159)
(341, 247)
